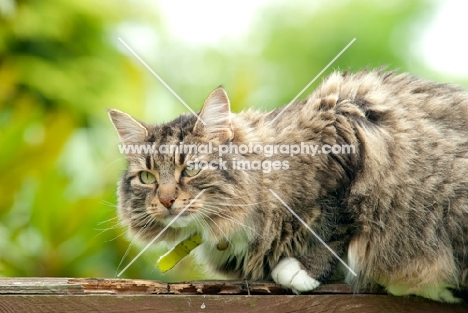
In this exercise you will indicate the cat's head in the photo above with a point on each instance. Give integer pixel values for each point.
(161, 181)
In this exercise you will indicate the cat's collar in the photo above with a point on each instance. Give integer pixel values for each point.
(180, 251)
(175, 255)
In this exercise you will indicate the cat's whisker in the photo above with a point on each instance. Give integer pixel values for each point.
(148, 220)
(232, 198)
(213, 210)
(145, 221)
(220, 229)
(204, 224)
(224, 215)
(130, 245)
(102, 231)
(120, 235)
(235, 204)
(140, 219)
(112, 163)
(109, 220)
(116, 225)
(227, 217)
(221, 215)
(107, 203)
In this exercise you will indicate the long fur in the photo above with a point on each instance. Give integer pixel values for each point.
(398, 206)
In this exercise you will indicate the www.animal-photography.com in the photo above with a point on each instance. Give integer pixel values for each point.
(237, 156)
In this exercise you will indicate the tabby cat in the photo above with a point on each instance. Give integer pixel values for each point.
(395, 205)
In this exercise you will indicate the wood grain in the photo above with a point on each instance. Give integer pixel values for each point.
(204, 287)
(126, 295)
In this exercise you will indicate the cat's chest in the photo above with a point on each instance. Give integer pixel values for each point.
(229, 252)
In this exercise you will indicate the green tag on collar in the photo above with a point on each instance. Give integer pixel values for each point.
(174, 256)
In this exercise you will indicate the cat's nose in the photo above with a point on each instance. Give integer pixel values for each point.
(167, 202)
(167, 194)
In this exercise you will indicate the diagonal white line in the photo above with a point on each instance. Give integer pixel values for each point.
(161, 80)
(312, 81)
(160, 233)
(313, 233)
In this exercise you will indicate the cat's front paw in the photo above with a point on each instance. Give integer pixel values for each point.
(290, 274)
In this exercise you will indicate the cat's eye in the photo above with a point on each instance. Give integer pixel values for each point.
(147, 178)
(192, 169)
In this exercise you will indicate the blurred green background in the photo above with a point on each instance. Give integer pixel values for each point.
(62, 65)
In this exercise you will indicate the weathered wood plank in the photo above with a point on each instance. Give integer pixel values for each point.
(127, 295)
(208, 303)
(139, 286)
(120, 286)
(33, 285)
(204, 287)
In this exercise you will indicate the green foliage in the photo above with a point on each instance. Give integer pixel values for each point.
(61, 66)
(59, 70)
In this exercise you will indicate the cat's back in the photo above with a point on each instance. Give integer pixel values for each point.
(383, 97)
(387, 102)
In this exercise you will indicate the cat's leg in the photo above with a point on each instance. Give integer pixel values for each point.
(306, 272)
(290, 273)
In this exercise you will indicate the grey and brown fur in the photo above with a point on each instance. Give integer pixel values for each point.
(398, 206)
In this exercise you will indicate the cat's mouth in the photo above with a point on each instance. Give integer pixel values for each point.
(177, 222)
(173, 217)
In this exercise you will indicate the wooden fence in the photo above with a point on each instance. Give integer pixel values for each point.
(125, 295)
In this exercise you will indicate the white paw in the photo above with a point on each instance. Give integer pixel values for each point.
(289, 273)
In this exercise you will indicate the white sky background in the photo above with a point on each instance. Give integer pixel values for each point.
(444, 45)
(226, 18)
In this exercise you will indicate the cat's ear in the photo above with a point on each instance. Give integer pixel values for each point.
(129, 129)
(216, 114)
